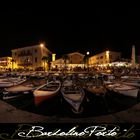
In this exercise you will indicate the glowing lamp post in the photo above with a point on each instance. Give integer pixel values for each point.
(41, 45)
(87, 53)
(107, 56)
(87, 59)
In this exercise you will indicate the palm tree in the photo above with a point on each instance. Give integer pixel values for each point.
(49, 59)
(85, 60)
(65, 57)
(46, 59)
(12, 63)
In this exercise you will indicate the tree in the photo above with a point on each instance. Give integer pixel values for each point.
(12, 63)
(65, 57)
(85, 60)
(46, 59)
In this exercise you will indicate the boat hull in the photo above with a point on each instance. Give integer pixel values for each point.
(131, 93)
(41, 95)
(74, 98)
(124, 89)
(38, 99)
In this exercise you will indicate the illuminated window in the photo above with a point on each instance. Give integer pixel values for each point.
(110, 56)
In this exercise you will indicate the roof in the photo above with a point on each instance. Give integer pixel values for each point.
(6, 57)
(76, 53)
(28, 47)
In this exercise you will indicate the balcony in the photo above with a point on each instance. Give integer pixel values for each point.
(25, 54)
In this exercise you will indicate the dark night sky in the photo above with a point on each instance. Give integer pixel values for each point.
(95, 30)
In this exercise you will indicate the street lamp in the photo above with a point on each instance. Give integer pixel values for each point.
(41, 45)
(88, 59)
(87, 53)
(107, 56)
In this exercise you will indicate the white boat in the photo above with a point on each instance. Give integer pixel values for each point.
(134, 78)
(74, 95)
(132, 83)
(124, 89)
(83, 76)
(110, 85)
(9, 95)
(125, 77)
(8, 82)
(28, 85)
(46, 91)
(21, 88)
(2, 76)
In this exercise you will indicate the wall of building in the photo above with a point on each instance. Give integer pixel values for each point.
(138, 59)
(30, 57)
(104, 57)
(5, 62)
(74, 59)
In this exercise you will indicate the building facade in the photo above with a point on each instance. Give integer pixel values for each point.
(138, 59)
(74, 59)
(5, 63)
(104, 58)
(30, 57)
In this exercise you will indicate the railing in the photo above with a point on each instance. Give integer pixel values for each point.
(25, 54)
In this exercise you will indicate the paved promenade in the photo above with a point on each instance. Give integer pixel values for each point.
(9, 114)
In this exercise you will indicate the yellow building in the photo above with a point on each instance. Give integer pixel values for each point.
(30, 57)
(104, 57)
(74, 59)
(5, 63)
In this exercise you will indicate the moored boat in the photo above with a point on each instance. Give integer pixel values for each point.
(14, 95)
(132, 83)
(9, 82)
(74, 95)
(46, 91)
(26, 87)
(124, 89)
